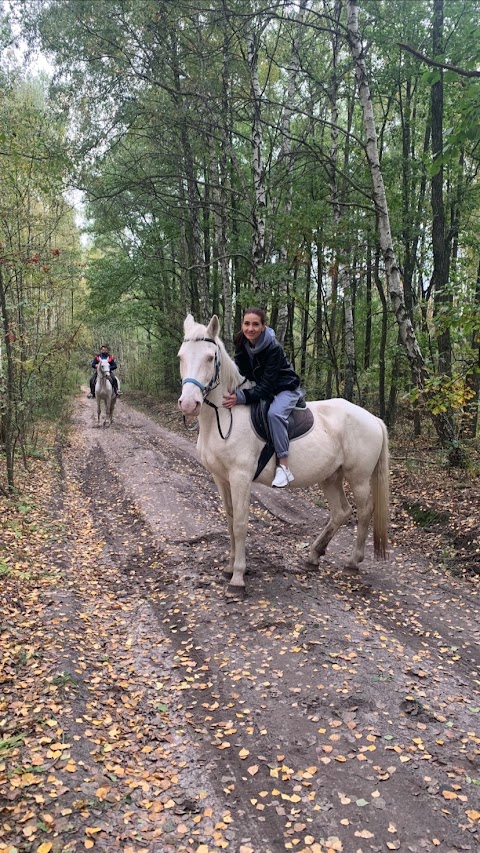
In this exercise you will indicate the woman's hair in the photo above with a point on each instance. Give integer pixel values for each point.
(240, 337)
(259, 312)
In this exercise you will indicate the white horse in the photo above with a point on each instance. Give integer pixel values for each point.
(104, 392)
(346, 443)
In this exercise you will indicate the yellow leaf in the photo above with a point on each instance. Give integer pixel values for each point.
(473, 814)
(102, 793)
(45, 847)
(88, 843)
(449, 795)
(333, 843)
(253, 769)
(91, 830)
(244, 752)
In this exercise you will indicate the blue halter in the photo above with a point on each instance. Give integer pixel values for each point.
(205, 389)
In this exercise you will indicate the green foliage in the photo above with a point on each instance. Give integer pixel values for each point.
(161, 108)
(442, 394)
(40, 269)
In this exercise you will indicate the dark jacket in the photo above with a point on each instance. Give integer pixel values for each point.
(268, 366)
(110, 359)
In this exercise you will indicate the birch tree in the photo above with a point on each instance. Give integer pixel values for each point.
(442, 421)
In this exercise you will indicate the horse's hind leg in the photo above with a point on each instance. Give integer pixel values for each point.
(364, 501)
(340, 512)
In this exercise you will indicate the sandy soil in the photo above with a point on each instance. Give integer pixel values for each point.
(326, 711)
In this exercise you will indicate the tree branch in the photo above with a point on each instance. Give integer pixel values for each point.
(464, 72)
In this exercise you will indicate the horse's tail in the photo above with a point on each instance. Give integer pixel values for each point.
(381, 499)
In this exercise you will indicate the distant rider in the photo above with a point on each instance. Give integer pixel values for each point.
(102, 355)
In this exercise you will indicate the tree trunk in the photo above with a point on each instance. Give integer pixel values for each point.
(260, 202)
(344, 281)
(349, 372)
(441, 243)
(193, 233)
(219, 204)
(442, 422)
(470, 418)
(383, 338)
(287, 158)
(367, 346)
(9, 404)
(306, 309)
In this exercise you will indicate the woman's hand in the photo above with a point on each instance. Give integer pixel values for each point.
(229, 400)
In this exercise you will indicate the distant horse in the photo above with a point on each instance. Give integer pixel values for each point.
(104, 392)
(346, 443)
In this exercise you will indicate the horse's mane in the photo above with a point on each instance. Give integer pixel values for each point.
(231, 375)
(230, 372)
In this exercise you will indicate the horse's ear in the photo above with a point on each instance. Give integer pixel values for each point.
(188, 322)
(213, 327)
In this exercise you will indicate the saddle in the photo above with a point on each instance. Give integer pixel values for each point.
(300, 422)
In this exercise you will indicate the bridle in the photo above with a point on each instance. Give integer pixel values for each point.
(105, 375)
(214, 381)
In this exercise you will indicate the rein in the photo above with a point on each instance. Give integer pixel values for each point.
(205, 389)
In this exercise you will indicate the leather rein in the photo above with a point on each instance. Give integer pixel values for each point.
(205, 389)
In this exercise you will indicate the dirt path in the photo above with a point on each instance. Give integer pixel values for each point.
(325, 712)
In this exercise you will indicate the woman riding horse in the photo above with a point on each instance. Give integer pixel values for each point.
(262, 359)
(345, 443)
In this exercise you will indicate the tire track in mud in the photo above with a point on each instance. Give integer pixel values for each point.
(303, 650)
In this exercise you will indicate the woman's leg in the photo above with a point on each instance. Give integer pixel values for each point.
(278, 413)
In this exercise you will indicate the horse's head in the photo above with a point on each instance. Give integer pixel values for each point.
(103, 367)
(199, 363)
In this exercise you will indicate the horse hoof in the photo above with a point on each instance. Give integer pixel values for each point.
(234, 591)
(351, 567)
(227, 575)
(312, 560)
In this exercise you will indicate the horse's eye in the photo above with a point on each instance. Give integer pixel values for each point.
(210, 358)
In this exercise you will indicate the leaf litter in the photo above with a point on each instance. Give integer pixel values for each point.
(140, 712)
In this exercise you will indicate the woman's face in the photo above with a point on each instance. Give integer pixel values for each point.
(252, 328)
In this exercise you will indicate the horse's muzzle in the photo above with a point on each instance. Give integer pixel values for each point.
(189, 406)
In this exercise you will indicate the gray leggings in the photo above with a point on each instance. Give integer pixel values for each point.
(280, 408)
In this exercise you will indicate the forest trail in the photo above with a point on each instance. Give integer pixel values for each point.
(328, 711)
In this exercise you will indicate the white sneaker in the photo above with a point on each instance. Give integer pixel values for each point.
(283, 476)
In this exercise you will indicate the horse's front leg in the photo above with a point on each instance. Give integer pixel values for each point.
(240, 491)
(99, 409)
(108, 417)
(223, 487)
